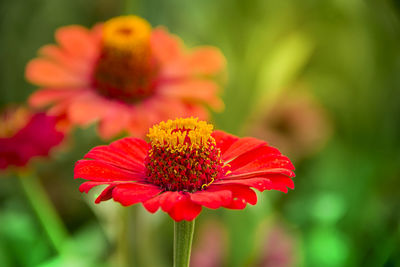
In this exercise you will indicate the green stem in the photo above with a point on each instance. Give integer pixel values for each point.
(183, 237)
(122, 240)
(44, 209)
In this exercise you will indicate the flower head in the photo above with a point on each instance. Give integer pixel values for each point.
(24, 135)
(297, 123)
(186, 165)
(125, 75)
(183, 155)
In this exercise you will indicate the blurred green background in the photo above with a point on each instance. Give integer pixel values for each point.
(318, 79)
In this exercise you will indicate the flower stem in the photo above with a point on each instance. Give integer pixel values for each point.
(122, 240)
(183, 237)
(44, 209)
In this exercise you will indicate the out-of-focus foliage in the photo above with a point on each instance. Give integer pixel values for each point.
(345, 208)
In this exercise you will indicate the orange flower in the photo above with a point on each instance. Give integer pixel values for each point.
(125, 75)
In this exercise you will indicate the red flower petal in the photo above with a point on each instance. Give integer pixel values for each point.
(273, 182)
(261, 173)
(134, 147)
(252, 164)
(282, 183)
(169, 198)
(119, 158)
(266, 162)
(132, 193)
(105, 195)
(224, 140)
(241, 195)
(36, 138)
(212, 197)
(185, 210)
(87, 186)
(102, 172)
(254, 155)
(153, 204)
(240, 147)
(177, 204)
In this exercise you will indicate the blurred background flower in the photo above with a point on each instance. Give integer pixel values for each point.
(25, 134)
(344, 54)
(295, 122)
(211, 245)
(125, 75)
(279, 247)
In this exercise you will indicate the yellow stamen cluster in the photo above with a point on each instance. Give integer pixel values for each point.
(126, 33)
(183, 155)
(12, 120)
(182, 133)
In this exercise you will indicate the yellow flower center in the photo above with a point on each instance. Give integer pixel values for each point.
(179, 134)
(183, 155)
(125, 68)
(12, 120)
(128, 35)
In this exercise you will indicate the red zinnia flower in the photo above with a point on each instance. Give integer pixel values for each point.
(24, 135)
(184, 167)
(125, 75)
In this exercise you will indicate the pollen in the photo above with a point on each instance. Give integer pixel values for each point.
(183, 155)
(125, 67)
(179, 134)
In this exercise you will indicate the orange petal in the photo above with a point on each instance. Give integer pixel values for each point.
(141, 120)
(87, 108)
(74, 64)
(47, 96)
(206, 61)
(46, 73)
(137, 129)
(165, 46)
(77, 41)
(97, 33)
(195, 90)
(197, 111)
(163, 109)
(114, 122)
(60, 109)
